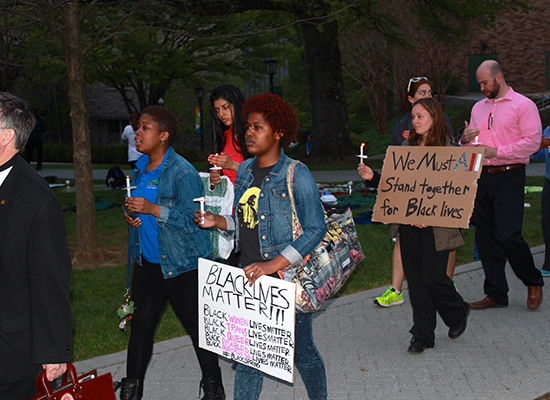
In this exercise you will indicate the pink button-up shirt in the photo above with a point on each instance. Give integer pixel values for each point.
(512, 124)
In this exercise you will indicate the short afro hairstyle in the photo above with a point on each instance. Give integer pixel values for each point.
(166, 120)
(280, 114)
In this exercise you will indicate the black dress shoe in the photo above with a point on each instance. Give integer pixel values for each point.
(418, 345)
(457, 330)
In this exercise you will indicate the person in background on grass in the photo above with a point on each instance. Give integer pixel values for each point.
(507, 124)
(545, 200)
(227, 127)
(272, 124)
(129, 134)
(425, 249)
(35, 265)
(166, 245)
(418, 88)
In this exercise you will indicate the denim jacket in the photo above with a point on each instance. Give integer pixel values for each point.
(275, 213)
(181, 241)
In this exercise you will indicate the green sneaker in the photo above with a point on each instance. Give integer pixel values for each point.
(390, 298)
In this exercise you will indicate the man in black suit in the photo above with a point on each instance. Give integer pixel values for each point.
(35, 265)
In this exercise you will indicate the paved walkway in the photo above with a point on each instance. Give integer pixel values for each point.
(503, 355)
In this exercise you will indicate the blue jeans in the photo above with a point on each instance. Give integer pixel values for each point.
(307, 359)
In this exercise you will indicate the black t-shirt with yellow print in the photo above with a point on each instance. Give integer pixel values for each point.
(247, 213)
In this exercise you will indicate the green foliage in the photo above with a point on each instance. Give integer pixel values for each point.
(296, 88)
(169, 46)
(375, 143)
(457, 115)
(189, 154)
(163, 47)
(58, 152)
(112, 154)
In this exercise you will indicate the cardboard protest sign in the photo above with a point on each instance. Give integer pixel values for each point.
(253, 325)
(434, 186)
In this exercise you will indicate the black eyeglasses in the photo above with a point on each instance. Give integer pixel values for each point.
(490, 121)
(417, 79)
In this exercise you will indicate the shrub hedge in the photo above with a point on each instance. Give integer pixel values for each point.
(112, 154)
(57, 152)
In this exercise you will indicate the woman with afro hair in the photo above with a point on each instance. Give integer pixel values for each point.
(262, 204)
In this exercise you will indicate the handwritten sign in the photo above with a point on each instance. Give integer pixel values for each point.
(253, 325)
(434, 186)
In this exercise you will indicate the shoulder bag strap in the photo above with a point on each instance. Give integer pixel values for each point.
(296, 226)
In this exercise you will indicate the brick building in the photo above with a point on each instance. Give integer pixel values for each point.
(520, 42)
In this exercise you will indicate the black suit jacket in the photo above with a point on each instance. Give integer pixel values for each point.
(35, 275)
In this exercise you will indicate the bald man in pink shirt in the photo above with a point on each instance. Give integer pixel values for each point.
(508, 125)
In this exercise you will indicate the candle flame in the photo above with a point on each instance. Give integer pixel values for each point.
(362, 144)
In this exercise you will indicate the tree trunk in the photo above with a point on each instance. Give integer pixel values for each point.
(88, 247)
(329, 114)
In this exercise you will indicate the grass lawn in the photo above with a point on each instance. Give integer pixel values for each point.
(97, 293)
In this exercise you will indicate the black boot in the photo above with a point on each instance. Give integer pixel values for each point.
(212, 387)
(130, 389)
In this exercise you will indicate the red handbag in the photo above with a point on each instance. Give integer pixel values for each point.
(89, 386)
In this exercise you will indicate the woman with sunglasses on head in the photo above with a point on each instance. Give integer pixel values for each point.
(263, 204)
(418, 88)
(226, 104)
(425, 249)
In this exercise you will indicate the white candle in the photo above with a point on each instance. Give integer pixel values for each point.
(361, 156)
(201, 200)
(128, 187)
(215, 168)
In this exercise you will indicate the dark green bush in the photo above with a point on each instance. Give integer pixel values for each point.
(57, 152)
(63, 153)
(189, 154)
(112, 154)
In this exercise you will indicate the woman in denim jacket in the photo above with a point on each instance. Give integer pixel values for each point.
(165, 244)
(262, 226)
